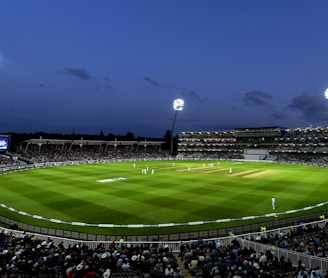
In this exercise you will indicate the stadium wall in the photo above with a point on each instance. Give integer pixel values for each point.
(193, 235)
(255, 154)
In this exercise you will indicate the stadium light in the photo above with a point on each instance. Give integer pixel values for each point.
(326, 94)
(178, 105)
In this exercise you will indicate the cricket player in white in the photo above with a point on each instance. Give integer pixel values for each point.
(273, 201)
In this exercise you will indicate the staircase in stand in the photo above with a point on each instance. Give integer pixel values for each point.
(186, 273)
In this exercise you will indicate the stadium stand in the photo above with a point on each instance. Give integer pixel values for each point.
(56, 150)
(300, 145)
(297, 251)
(286, 252)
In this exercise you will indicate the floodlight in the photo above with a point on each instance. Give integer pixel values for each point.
(326, 94)
(178, 104)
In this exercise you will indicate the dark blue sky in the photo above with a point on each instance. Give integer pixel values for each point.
(116, 66)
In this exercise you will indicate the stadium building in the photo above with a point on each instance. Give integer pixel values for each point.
(308, 144)
(298, 244)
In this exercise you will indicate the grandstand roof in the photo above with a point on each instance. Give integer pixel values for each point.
(88, 142)
(41, 141)
(46, 141)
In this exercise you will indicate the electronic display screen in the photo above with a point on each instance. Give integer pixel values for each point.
(4, 143)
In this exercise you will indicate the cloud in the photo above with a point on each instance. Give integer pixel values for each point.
(313, 107)
(256, 98)
(108, 84)
(151, 81)
(105, 83)
(99, 87)
(191, 94)
(186, 93)
(279, 115)
(41, 85)
(80, 73)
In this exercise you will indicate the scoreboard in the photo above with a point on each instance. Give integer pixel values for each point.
(4, 143)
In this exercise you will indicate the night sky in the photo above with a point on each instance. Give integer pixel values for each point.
(116, 66)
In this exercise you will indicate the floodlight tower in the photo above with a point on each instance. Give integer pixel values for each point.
(178, 105)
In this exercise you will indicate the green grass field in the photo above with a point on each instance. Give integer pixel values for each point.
(172, 194)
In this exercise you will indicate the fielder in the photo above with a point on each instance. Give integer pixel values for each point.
(273, 201)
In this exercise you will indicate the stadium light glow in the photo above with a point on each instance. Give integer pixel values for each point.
(326, 94)
(178, 105)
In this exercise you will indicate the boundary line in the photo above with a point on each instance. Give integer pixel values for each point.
(160, 225)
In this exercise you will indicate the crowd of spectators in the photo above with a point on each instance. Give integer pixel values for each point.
(8, 160)
(28, 256)
(217, 260)
(54, 153)
(308, 239)
(303, 158)
(214, 259)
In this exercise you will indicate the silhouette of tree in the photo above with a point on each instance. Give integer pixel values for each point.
(129, 136)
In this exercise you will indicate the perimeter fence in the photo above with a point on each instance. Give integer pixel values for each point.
(274, 225)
